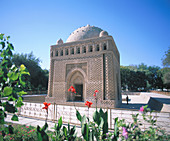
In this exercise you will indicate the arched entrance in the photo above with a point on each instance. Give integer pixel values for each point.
(76, 79)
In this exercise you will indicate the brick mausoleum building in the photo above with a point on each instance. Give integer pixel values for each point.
(89, 60)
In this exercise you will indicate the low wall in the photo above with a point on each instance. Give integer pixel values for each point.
(160, 92)
(130, 93)
(35, 98)
(36, 92)
(68, 114)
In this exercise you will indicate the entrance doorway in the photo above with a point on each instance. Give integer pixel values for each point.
(76, 79)
(79, 92)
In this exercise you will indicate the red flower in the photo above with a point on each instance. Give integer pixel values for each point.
(95, 93)
(88, 104)
(72, 89)
(46, 105)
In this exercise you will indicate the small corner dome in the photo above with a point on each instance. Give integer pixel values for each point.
(103, 33)
(59, 42)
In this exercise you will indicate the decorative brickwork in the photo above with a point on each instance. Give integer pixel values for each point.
(88, 65)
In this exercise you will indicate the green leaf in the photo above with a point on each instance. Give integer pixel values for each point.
(8, 37)
(19, 102)
(60, 122)
(13, 76)
(11, 47)
(9, 107)
(11, 98)
(9, 52)
(68, 127)
(2, 116)
(115, 126)
(1, 36)
(85, 131)
(96, 117)
(7, 91)
(79, 117)
(73, 130)
(11, 129)
(21, 93)
(45, 127)
(25, 73)
(65, 131)
(41, 135)
(14, 118)
(83, 121)
(3, 44)
(22, 82)
(101, 122)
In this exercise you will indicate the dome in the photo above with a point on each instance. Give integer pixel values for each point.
(84, 32)
(59, 42)
(103, 34)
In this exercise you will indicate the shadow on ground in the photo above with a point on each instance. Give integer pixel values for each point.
(132, 106)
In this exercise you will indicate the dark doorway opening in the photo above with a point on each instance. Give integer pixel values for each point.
(79, 92)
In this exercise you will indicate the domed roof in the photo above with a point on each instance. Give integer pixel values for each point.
(84, 32)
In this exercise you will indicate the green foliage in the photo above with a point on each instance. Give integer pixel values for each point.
(18, 133)
(41, 133)
(38, 78)
(7, 91)
(14, 118)
(11, 80)
(63, 133)
(141, 77)
(166, 70)
(116, 130)
(166, 58)
(134, 131)
(98, 128)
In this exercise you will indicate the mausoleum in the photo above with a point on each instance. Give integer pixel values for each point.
(89, 61)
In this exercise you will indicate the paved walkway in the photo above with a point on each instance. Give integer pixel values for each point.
(157, 102)
(34, 122)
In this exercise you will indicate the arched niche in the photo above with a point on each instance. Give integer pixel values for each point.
(76, 78)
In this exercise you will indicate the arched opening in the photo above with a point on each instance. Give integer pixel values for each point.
(97, 48)
(76, 79)
(104, 46)
(61, 53)
(56, 53)
(84, 49)
(51, 54)
(78, 50)
(66, 52)
(90, 49)
(72, 51)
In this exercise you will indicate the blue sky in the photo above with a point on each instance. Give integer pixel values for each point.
(140, 28)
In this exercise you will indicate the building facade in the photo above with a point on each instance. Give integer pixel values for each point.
(89, 60)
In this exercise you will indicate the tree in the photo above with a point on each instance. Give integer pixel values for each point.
(38, 77)
(165, 76)
(166, 70)
(131, 79)
(141, 77)
(166, 59)
(154, 77)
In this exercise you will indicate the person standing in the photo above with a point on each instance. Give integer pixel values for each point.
(127, 99)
